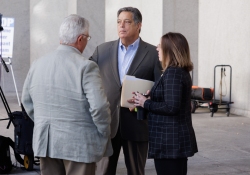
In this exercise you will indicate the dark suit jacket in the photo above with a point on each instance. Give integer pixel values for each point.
(145, 65)
(171, 134)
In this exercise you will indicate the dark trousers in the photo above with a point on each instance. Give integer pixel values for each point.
(171, 166)
(135, 154)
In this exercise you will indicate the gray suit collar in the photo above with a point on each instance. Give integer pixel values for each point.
(139, 56)
(113, 50)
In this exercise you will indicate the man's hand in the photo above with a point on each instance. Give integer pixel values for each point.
(132, 102)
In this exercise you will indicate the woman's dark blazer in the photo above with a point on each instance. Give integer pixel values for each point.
(171, 134)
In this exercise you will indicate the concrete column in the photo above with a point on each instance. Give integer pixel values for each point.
(94, 11)
(45, 19)
(182, 16)
(151, 19)
(19, 10)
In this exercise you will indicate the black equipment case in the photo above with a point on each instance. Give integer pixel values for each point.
(23, 132)
(200, 93)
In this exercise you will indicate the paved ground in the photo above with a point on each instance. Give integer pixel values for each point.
(223, 142)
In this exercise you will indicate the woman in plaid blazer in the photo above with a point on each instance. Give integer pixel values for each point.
(171, 134)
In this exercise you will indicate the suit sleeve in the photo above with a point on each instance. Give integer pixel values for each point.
(172, 90)
(99, 106)
(157, 70)
(94, 57)
(26, 97)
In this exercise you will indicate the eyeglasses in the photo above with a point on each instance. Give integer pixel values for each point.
(88, 37)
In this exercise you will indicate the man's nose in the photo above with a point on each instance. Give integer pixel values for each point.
(122, 24)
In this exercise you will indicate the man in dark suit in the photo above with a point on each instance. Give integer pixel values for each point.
(128, 55)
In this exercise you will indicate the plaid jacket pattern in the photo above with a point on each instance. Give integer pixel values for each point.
(171, 134)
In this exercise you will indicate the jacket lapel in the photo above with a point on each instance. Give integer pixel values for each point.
(139, 56)
(157, 82)
(113, 50)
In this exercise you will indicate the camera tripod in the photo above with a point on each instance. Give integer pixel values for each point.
(5, 103)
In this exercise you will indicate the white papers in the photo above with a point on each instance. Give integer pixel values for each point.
(132, 84)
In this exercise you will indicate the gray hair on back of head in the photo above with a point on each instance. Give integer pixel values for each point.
(71, 28)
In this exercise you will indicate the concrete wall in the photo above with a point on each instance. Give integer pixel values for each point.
(224, 35)
(21, 49)
(182, 16)
(217, 31)
(151, 19)
(94, 11)
(45, 19)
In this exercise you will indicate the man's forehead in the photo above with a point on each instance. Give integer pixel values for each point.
(124, 19)
(125, 15)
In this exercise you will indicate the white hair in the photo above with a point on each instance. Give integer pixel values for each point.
(71, 28)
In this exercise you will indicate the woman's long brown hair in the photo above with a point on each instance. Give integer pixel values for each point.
(175, 51)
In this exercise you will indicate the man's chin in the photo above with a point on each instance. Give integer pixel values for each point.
(122, 33)
(123, 36)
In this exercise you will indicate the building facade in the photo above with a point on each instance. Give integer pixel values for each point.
(217, 32)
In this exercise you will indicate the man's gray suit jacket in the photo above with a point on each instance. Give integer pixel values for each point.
(145, 65)
(64, 97)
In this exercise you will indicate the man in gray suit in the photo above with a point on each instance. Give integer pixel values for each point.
(128, 55)
(64, 96)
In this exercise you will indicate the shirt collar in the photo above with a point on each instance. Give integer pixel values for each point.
(134, 44)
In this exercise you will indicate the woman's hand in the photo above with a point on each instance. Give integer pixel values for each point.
(139, 99)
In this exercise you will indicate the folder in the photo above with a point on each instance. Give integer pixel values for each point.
(132, 84)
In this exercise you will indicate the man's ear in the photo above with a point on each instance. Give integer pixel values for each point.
(78, 42)
(139, 26)
(80, 38)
